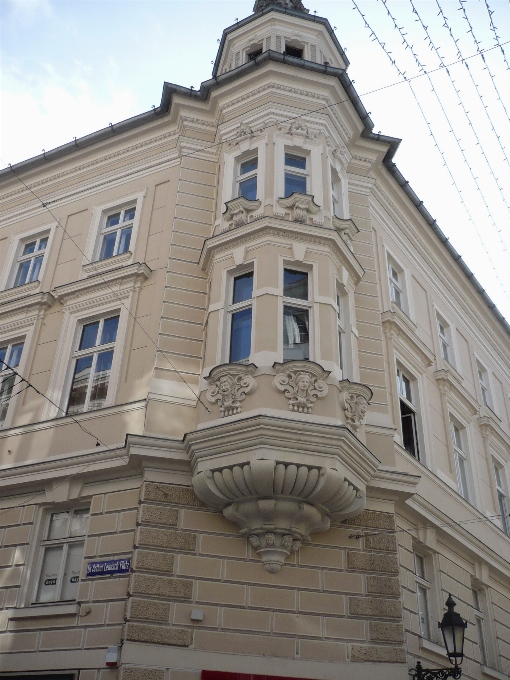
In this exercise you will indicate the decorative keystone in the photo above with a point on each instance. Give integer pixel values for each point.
(302, 382)
(302, 206)
(228, 385)
(238, 210)
(346, 228)
(278, 505)
(354, 399)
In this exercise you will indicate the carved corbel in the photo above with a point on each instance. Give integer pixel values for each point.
(302, 206)
(354, 399)
(346, 228)
(228, 385)
(238, 211)
(302, 382)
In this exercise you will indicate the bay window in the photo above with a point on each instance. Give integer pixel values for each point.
(240, 312)
(296, 174)
(247, 178)
(10, 357)
(296, 315)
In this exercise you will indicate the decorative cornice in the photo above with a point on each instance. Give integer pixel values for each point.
(37, 304)
(238, 211)
(449, 385)
(18, 291)
(394, 324)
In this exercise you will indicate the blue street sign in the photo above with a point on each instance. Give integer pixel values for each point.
(108, 567)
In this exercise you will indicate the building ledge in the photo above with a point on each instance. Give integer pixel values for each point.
(492, 673)
(44, 610)
(433, 647)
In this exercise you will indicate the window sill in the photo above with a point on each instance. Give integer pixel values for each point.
(44, 610)
(19, 291)
(492, 673)
(99, 266)
(433, 647)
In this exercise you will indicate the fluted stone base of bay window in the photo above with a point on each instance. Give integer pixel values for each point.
(279, 481)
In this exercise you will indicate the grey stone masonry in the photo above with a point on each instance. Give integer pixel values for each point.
(132, 673)
(168, 493)
(386, 542)
(375, 606)
(386, 632)
(377, 654)
(383, 585)
(150, 560)
(149, 610)
(158, 514)
(373, 520)
(361, 561)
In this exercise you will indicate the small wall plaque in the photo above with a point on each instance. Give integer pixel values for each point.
(109, 567)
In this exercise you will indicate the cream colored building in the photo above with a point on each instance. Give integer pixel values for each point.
(264, 392)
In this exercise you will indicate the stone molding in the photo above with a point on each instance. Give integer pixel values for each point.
(449, 385)
(228, 385)
(100, 266)
(302, 382)
(239, 210)
(346, 228)
(396, 324)
(354, 399)
(19, 292)
(302, 206)
(277, 505)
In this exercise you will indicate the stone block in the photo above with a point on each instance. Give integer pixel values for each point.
(116, 612)
(116, 544)
(61, 639)
(387, 542)
(235, 643)
(228, 546)
(159, 514)
(17, 535)
(159, 635)
(386, 632)
(109, 589)
(322, 603)
(18, 642)
(103, 637)
(362, 561)
(221, 593)
(103, 524)
(321, 557)
(10, 516)
(377, 654)
(322, 651)
(163, 538)
(127, 520)
(149, 610)
(375, 606)
(168, 493)
(137, 673)
(11, 576)
(203, 567)
(160, 586)
(373, 520)
(290, 577)
(343, 581)
(274, 598)
(297, 624)
(198, 520)
(182, 615)
(154, 561)
(122, 500)
(345, 629)
(383, 585)
(246, 619)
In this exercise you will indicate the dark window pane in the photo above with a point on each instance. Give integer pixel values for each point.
(295, 334)
(80, 385)
(100, 380)
(249, 166)
(89, 335)
(253, 55)
(21, 276)
(248, 189)
(240, 338)
(129, 214)
(109, 333)
(3, 353)
(125, 240)
(113, 220)
(294, 51)
(15, 355)
(294, 183)
(409, 437)
(5, 394)
(243, 288)
(108, 245)
(43, 243)
(36, 268)
(29, 248)
(295, 161)
(295, 284)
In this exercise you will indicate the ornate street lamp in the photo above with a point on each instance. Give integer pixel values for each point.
(453, 628)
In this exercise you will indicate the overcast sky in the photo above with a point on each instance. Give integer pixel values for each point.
(70, 67)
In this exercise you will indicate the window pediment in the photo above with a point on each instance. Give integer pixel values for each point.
(401, 328)
(23, 312)
(450, 385)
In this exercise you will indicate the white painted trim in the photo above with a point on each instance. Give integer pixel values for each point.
(43, 610)
(8, 272)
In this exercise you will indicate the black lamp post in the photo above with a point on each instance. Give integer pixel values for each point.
(453, 628)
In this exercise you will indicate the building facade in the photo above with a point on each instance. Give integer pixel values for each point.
(254, 407)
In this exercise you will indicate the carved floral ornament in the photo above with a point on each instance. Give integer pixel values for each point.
(278, 505)
(354, 399)
(238, 211)
(302, 206)
(228, 385)
(302, 382)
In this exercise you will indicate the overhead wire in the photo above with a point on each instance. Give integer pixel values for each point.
(496, 36)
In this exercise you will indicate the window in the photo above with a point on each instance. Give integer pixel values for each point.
(422, 592)
(293, 51)
(241, 318)
(10, 356)
(502, 494)
(341, 330)
(483, 379)
(296, 342)
(396, 277)
(250, 56)
(480, 626)
(30, 259)
(460, 458)
(116, 233)
(295, 174)
(335, 195)
(445, 344)
(62, 555)
(247, 178)
(92, 364)
(408, 414)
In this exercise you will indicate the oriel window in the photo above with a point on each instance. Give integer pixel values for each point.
(296, 315)
(295, 174)
(10, 356)
(247, 178)
(240, 312)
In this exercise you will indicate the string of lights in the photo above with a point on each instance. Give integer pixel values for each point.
(467, 116)
(436, 144)
(497, 39)
(422, 69)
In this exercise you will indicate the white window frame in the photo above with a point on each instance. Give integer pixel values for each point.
(41, 546)
(501, 488)
(396, 284)
(299, 304)
(461, 459)
(5, 373)
(10, 267)
(99, 216)
(341, 329)
(446, 340)
(339, 194)
(423, 585)
(480, 625)
(232, 159)
(117, 229)
(239, 179)
(298, 172)
(484, 384)
(232, 308)
(300, 146)
(413, 404)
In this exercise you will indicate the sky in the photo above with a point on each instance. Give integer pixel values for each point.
(70, 67)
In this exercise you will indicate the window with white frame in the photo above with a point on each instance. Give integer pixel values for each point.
(61, 555)
(296, 315)
(29, 260)
(483, 380)
(423, 594)
(296, 173)
(336, 194)
(502, 495)
(340, 329)
(10, 356)
(396, 281)
(116, 232)
(445, 340)
(480, 626)
(247, 178)
(92, 364)
(408, 413)
(460, 459)
(241, 313)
